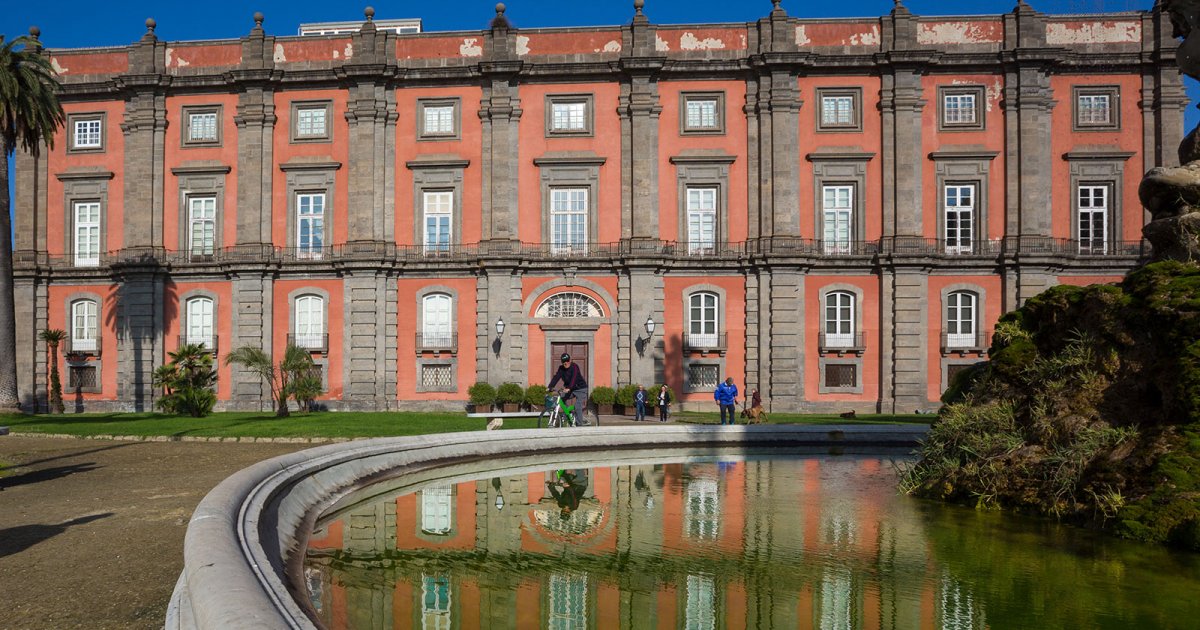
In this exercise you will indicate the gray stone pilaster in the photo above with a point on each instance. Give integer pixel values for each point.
(369, 340)
(777, 110)
(785, 347)
(139, 313)
(910, 314)
(501, 359)
(887, 340)
(500, 114)
(754, 332)
(370, 112)
(753, 168)
(255, 120)
(639, 110)
(1029, 101)
(1164, 99)
(253, 304)
(639, 295)
(29, 221)
(1032, 281)
(144, 126)
(906, 152)
(371, 532)
(30, 302)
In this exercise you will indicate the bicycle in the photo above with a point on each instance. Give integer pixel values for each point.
(560, 413)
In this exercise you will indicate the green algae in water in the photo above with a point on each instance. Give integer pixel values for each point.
(780, 543)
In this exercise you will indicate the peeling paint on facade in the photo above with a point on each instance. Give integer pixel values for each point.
(1076, 33)
(175, 61)
(661, 44)
(57, 68)
(522, 45)
(802, 36)
(690, 42)
(279, 56)
(870, 38)
(957, 33)
(470, 48)
(611, 47)
(347, 53)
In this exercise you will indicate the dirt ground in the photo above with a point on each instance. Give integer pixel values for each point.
(91, 532)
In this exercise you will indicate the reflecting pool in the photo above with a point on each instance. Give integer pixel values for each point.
(721, 541)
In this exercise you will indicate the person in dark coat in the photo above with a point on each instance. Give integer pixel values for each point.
(572, 380)
(639, 404)
(664, 403)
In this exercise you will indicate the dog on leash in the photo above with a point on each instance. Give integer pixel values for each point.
(754, 415)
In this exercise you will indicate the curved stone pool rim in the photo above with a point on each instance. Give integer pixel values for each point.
(248, 533)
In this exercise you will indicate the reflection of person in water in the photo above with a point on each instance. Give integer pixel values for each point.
(567, 489)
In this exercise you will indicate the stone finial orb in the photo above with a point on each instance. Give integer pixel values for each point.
(151, 24)
(370, 13)
(500, 8)
(638, 5)
(35, 32)
(258, 18)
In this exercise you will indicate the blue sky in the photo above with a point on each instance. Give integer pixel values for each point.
(74, 23)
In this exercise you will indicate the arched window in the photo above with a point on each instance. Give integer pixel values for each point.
(703, 322)
(436, 321)
(569, 305)
(436, 598)
(960, 319)
(310, 322)
(85, 316)
(200, 322)
(839, 319)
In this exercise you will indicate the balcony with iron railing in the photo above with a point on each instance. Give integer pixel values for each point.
(312, 343)
(704, 342)
(841, 343)
(966, 343)
(208, 341)
(437, 342)
(75, 345)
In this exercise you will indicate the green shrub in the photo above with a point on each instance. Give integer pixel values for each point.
(535, 396)
(604, 395)
(481, 394)
(189, 380)
(510, 394)
(625, 395)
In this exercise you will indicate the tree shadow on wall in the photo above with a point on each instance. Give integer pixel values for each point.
(136, 312)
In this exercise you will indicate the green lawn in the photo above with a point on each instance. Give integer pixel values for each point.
(336, 425)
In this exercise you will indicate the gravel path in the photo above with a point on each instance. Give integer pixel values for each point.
(91, 532)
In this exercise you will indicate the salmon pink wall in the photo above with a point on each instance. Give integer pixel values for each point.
(468, 147)
(283, 320)
(731, 322)
(867, 314)
(1083, 281)
(606, 142)
(407, 524)
(991, 137)
(992, 297)
(337, 209)
(1127, 138)
(408, 314)
(173, 315)
(672, 143)
(176, 155)
(111, 159)
(868, 140)
(59, 316)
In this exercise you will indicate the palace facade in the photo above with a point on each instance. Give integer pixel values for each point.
(835, 212)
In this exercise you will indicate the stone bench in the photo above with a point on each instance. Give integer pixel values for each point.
(496, 418)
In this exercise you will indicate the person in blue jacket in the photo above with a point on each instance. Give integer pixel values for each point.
(726, 396)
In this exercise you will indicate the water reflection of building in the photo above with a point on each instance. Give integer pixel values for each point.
(501, 553)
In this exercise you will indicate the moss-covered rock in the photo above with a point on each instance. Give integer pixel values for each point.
(1089, 410)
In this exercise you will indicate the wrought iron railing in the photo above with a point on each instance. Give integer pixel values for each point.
(437, 342)
(312, 343)
(208, 341)
(715, 342)
(975, 342)
(841, 342)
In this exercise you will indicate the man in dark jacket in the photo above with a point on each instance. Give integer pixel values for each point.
(572, 380)
(726, 397)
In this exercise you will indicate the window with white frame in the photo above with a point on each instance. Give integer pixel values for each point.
(568, 306)
(1095, 109)
(85, 324)
(701, 609)
(839, 320)
(838, 211)
(87, 133)
(437, 509)
(202, 126)
(568, 601)
(569, 116)
(703, 325)
(87, 233)
(436, 325)
(202, 225)
(310, 225)
(439, 212)
(200, 322)
(702, 220)
(702, 512)
(702, 113)
(957, 607)
(837, 597)
(960, 218)
(959, 108)
(960, 319)
(435, 602)
(310, 322)
(837, 110)
(568, 220)
(312, 121)
(439, 120)
(1093, 219)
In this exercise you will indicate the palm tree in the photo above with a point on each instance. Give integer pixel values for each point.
(29, 115)
(295, 368)
(260, 363)
(53, 337)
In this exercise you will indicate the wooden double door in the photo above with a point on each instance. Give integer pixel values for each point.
(579, 355)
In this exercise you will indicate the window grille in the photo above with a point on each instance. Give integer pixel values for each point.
(81, 377)
(436, 377)
(570, 305)
(841, 375)
(703, 376)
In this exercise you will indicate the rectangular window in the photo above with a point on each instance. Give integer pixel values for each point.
(701, 603)
(81, 377)
(569, 115)
(439, 120)
(202, 127)
(310, 225)
(202, 225)
(85, 322)
(961, 107)
(200, 322)
(87, 233)
(311, 122)
(1093, 219)
(838, 210)
(439, 211)
(437, 378)
(960, 218)
(702, 220)
(841, 375)
(435, 603)
(1096, 108)
(87, 133)
(960, 320)
(568, 220)
(703, 376)
(839, 109)
(703, 113)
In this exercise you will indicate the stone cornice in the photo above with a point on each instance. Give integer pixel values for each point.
(75, 174)
(438, 161)
(840, 155)
(201, 168)
(1097, 153)
(560, 158)
(703, 156)
(310, 164)
(964, 153)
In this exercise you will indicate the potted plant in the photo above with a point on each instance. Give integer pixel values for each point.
(625, 399)
(481, 396)
(604, 397)
(535, 397)
(510, 395)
